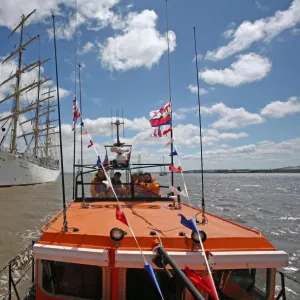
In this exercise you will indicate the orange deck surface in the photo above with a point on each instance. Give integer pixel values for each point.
(94, 225)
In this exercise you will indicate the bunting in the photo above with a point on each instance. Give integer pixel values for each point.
(148, 268)
(174, 153)
(202, 283)
(90, 144)
(170, 142)
(191, 224)
(161, 121)
(76, 113)
(120, 215)
(119, 212)
(174, 169)
(98, 161)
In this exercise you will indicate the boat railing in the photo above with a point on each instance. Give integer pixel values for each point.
(15, 274)
(124, 191)
(282, 293)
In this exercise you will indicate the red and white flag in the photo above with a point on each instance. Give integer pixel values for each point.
(76, 113)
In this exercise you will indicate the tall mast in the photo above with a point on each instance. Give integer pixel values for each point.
(48, 123)
(17, 98)
(36, 135)
(170, 91)
(17, 91)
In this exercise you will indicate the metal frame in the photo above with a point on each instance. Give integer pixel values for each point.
(85, 256)
(133, 197)
(132, 259)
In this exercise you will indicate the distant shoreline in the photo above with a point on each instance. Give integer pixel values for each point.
(225, 171)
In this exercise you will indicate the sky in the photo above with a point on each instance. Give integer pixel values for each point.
(248, 75)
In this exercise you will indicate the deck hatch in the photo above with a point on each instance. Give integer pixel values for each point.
(133, 259)
(88, 256)
(248, 259)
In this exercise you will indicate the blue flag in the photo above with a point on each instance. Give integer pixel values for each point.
(150, 272)
(98, 162)
(191, 224)
(173, 153)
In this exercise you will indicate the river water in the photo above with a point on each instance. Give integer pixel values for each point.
(267, 202)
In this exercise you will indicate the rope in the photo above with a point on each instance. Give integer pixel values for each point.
(194, 217)
(111, 186)
(115, 195)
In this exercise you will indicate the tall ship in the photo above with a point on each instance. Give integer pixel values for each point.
(163, 169)
(28, 151)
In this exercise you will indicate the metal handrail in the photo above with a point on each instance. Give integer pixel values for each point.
(18, 264)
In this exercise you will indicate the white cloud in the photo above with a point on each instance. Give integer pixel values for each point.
(232, 117)
(186, 135)
(138, 45)
(253, 155)
(102, 126)
(88, 47)
(176, 116)
(95, 13)
(264, 29)
(246, 69)
(193, 89)
(279, 109)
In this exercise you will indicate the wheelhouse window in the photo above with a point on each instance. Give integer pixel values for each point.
(140, 286)
(68, 279)
(246, 283)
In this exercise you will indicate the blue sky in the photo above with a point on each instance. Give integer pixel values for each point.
(247, 56)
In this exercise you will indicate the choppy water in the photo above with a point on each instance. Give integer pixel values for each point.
(267, 202)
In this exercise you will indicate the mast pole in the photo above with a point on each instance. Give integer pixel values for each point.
(17, 98)
(37, 108)
(170, 92)
(200, 131)
(75, 66)
(81, 149)
(48, 123)
(60, 137)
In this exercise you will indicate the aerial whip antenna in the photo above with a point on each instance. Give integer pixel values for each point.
(60, 138)
(170, 92)
(81, 126)
(75, 75)
(200, 132)
(123, 122)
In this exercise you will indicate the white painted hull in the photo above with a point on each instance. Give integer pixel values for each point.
(15, 170)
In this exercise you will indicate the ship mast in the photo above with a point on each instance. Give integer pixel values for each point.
(17, 91)
(48, 123)
(17, 98)
(37, 114)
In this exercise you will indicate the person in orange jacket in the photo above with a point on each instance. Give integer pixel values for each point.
(119, 188)
(99, 189)
(151, 186)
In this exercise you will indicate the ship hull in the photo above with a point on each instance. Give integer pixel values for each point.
(16, 170)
